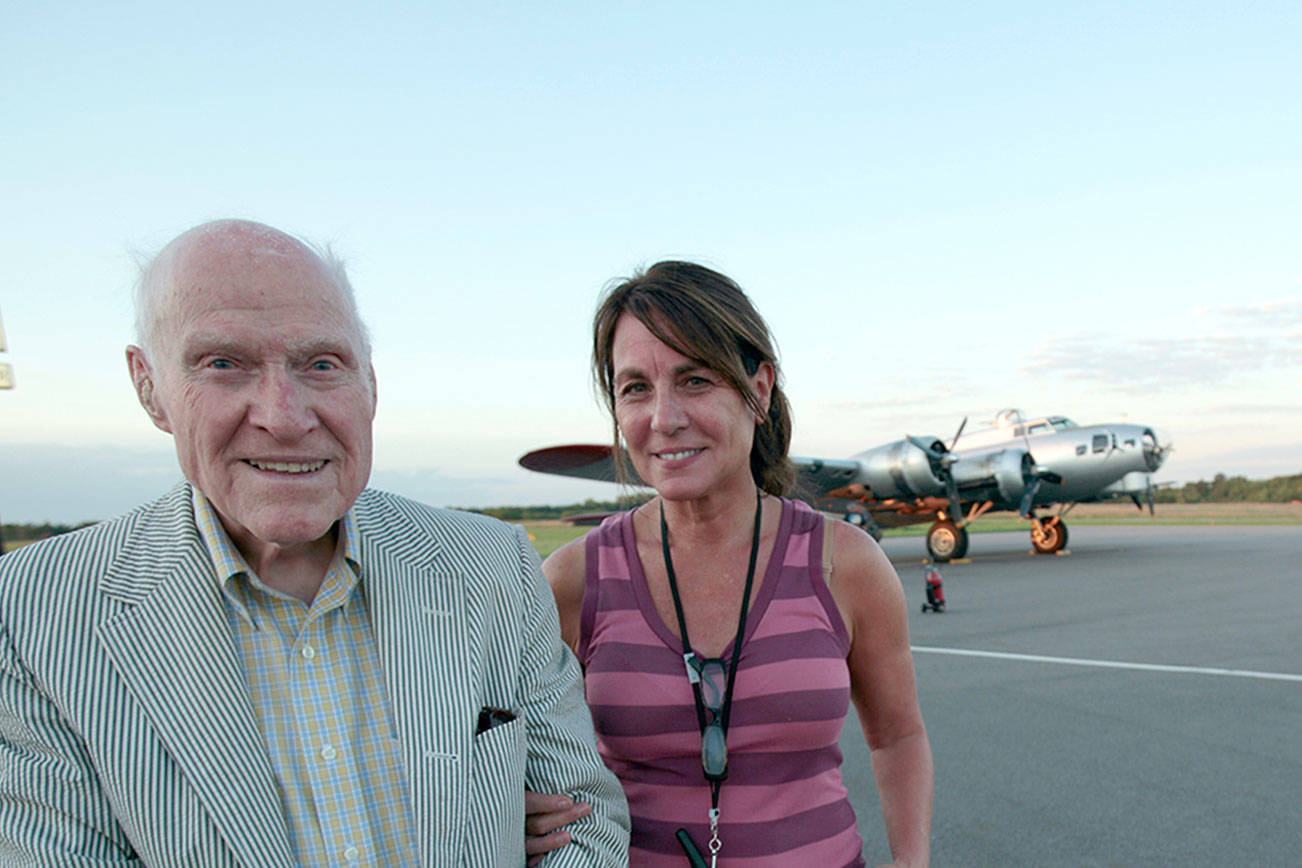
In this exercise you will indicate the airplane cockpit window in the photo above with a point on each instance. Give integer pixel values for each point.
(1038, 428)
(1082, 449)
(1100, 442)
(1061, 423)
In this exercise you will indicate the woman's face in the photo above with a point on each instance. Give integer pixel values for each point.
(688, 431)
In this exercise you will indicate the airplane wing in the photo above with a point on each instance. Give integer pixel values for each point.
(820, 477)
(580, 460)
(825, 483)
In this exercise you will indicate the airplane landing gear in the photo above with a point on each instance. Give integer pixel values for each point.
(946, 541)
(864, 522)
(1049, 535)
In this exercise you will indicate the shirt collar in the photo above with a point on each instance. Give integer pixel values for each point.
(229, 564)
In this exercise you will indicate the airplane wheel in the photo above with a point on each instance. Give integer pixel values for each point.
(946, 541)
(1053, 537)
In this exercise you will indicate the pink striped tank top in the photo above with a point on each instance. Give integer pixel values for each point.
(784, 803)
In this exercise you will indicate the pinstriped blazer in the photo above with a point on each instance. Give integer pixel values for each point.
(127, 735)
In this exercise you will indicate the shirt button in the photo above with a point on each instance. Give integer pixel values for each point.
(328, 752)
(308, 652)
(351, 854)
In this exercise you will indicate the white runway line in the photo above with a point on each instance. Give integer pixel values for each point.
(1109, 664)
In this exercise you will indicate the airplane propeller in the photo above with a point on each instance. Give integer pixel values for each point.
(941, 460)
(1155, 451)
(957, 434)
(1028, 497)
(937, 453)
(1038, 475)
(1147, 496)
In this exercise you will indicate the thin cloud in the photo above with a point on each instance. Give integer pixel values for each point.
(1252, 410)
(1236, 341)
(895, 393)
(1163, 362)
(1284, 313)
(878, 405)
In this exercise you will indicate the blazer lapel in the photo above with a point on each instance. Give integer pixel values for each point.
(174, 651)
(418, 613)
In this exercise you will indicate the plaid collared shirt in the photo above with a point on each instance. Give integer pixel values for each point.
(318, 692)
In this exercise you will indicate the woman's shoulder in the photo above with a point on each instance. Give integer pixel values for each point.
(804, 520)
(568, 558)
(862, 573)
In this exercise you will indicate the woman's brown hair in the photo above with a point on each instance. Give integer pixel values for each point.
(705, 316)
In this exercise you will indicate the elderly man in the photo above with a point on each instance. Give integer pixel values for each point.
(272, 665)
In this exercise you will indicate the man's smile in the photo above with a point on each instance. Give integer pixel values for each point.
(286, 466)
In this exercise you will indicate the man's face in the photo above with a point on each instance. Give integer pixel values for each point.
(262, 378)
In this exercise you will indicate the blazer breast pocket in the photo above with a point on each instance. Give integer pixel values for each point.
(495, 833)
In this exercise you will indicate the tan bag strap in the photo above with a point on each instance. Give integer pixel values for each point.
(829, 525)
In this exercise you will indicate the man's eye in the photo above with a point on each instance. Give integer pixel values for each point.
(221, 364)
(323, 365)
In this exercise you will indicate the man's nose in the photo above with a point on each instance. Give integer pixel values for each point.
(282, 406)
(667, 414)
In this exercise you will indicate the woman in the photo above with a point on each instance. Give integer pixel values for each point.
(738, 750)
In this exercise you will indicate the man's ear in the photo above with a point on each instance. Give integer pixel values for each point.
(142, 377)
(375, 396)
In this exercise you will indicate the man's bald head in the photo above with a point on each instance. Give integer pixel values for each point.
(256, 363)
(221, 245)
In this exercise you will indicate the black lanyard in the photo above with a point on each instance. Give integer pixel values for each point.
(716, 778)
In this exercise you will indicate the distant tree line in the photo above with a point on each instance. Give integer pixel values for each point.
(1219, 489)
(1234, 489)
(533, 513)
(16, 533)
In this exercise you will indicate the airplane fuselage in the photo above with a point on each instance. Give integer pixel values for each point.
(1088, 458)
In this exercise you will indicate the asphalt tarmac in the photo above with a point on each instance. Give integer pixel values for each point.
(1136, 701)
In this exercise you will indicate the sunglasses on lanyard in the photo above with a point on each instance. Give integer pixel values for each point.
(711, 674)
(713, 704)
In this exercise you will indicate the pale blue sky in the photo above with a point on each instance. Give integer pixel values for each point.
(942, 209)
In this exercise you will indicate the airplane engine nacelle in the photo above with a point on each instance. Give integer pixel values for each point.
(1006, 470)
(899, 469)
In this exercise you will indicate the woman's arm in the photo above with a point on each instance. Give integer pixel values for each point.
(545, 816)
(882, 684)
(565, 570)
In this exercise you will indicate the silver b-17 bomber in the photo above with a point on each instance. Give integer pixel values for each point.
(1022, 465)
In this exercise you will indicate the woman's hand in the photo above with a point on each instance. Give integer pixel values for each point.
(544, 817)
